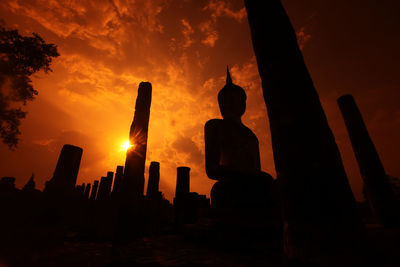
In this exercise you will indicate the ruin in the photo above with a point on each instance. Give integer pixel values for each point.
(154, 179)
(119, 175)
(187, 205)
(108, 185)
(80, 189)
(181, 203)
(87, 191)
(320, 216)
(379, 191)
(30, 185)
(93, 194)
(130, 214)
(102, 192)
(66, 172)
(182, 181)
(136, 154)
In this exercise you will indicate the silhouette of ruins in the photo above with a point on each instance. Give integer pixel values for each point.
(130, 218)
(182, 181)
(232, 158)
(30, 185)
(136, 154)
(308, 213)
(117, 187)
(319, 210)
(380, 194)
(154, 179)
(66, 172)
(87, 191)
(80, 189)
(93, 194)
(188, 206)
(102, 191)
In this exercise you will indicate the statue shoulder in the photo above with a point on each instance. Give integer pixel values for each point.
(251, 133)
(213, 124)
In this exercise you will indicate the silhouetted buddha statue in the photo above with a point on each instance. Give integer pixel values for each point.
(233, 157)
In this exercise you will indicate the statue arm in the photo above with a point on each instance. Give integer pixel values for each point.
(212, 152)
(214, 169)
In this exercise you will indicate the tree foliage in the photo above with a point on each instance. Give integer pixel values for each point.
(20, 57)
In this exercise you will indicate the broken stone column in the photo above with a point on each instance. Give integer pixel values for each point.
(109, 180)
(102, 192)
(154, 179)
(379, 191)
(87, 191)
(105, 187)
(136, 155)
(81, 189)
(130, 219)
(182, 181)
(93, 194)
(319, 211)
(153, 201)
(181, 200)
(30, 185)
(66, 172)
(119, 175)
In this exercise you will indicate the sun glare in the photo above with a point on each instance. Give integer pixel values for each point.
(126, 145)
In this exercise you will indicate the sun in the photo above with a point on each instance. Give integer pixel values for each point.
(126, 145)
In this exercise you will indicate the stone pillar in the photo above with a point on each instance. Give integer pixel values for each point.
(119, 175)
(154, 179)
(182, 181)
(130, 219)
(319, 211)
(66, 172)
(379, 192)
(108, 185)
(182, 197)
(30, 185)
(87, 191)
(102, 192)
(93, 194)
(105, 186)
(136, 155)
(82, 189)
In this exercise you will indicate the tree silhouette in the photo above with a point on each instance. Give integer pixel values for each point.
(20, 57)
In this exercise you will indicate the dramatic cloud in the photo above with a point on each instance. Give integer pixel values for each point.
(211, 34)
(223, 8)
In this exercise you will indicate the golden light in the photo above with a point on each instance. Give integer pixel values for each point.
(126, 145)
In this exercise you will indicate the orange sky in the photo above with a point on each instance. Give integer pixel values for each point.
(182, 47)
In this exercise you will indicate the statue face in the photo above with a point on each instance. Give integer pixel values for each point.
(232, 106)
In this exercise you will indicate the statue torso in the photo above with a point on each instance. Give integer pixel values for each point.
(238, 146)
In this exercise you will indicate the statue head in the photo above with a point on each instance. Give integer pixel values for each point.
(231, 99)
